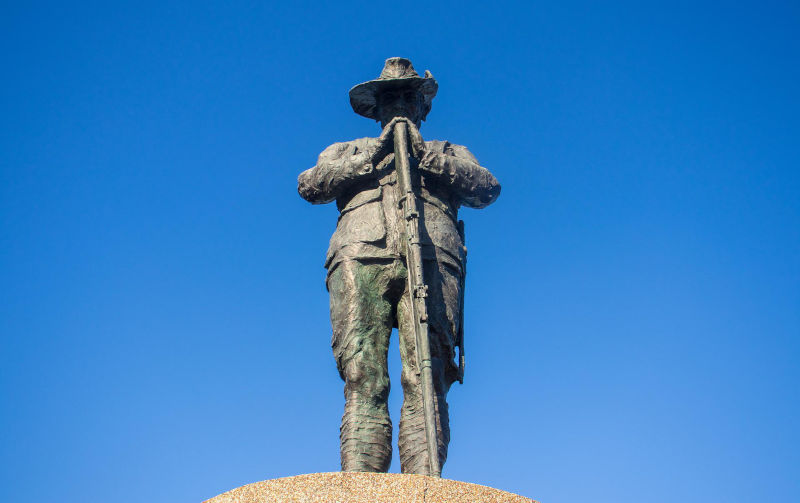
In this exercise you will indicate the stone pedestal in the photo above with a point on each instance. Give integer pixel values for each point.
(350, 487)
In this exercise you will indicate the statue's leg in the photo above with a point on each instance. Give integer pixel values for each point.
(362, 320)
(444, 288)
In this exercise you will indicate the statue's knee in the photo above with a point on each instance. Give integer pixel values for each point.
(411, 380)
(370, 383)
(353, 373)
(409, 377)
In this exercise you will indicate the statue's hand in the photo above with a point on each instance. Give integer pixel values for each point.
(386, 139)
(383, 155)
(418, 149)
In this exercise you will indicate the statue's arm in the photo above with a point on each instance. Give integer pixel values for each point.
(338, 167)
(457, 167)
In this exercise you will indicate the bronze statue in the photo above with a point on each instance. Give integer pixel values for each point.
(397, 259)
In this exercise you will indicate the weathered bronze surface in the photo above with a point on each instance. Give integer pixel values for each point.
(397, 259)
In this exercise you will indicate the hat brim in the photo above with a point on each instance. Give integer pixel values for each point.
(363, 97)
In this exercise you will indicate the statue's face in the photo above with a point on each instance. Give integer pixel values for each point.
(401, 102)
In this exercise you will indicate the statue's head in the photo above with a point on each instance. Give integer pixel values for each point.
(399, 91)
(403, 101)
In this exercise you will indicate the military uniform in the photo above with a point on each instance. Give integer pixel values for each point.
(367, 281)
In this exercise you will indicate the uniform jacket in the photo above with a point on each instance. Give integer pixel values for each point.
(370, 222)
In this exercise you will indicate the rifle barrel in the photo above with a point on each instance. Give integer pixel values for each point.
(417, 290)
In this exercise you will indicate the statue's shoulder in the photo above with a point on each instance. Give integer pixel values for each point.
(358, 142)
(448, 148)
(437, 146)
(361, 144)
(349, 147)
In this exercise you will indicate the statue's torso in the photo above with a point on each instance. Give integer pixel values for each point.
(371, 223)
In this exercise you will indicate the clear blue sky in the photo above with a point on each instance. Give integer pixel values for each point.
(633, 299)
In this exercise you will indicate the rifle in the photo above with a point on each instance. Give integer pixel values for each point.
(417, 290)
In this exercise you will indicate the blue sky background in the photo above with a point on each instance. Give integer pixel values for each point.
(633, 299)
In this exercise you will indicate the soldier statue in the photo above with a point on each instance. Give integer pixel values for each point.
(370, 277)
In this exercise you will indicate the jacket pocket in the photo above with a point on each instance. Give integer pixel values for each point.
(361, 221)
(364, 223)
(442, 232)
(362, 198)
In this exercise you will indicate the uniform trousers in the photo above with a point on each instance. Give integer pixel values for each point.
(368, 297)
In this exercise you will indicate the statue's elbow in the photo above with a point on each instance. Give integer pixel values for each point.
(310, 194)
(486, 196)
(305, 188)
(493, 193)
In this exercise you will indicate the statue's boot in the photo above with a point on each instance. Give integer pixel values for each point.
(412, 441)
(366, 436)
